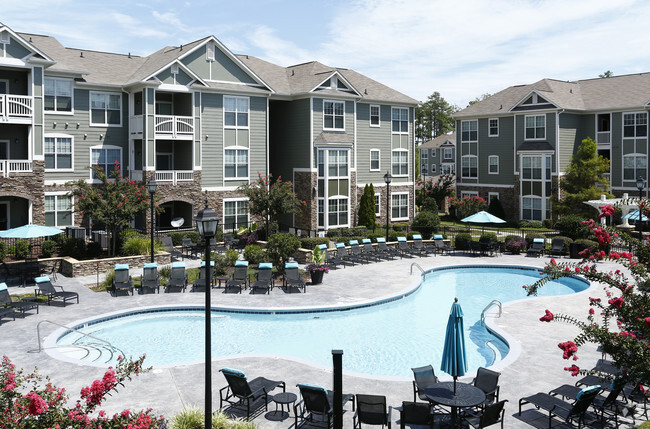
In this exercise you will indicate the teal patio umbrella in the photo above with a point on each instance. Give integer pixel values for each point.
(454, 360)
(483, 217)
(30, 231)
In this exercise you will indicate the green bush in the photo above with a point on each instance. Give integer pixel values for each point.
(177, 237)
(74, 247)
(489, 236)
(586, 244)
(255, 254)
(93, 250)
(495, 208)
(460, 240)
(548, 223)
(402, 226)
(281, 247)
(347, 232)
(193, 418)
(572, 227)
(311, 242)
(136, 245)
(48, 248)
(3, 250)
(222, 261)
(194, 236)
(512, 223)
(531, 224)
(23, 249)
(426, 223)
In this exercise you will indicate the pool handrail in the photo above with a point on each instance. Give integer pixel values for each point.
(38, 333)
(417, 265)
(487, 307)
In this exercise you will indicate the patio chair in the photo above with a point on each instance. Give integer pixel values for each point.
(490, 415)
(292, 277)
(419, 245)
(240, 391)
(424, 376)
(487, 246)
(441, 247)
(569, 412)
(372, 410)
(557, 247)
(343, 256)
(316, 404)
(264, 278)
(415, 413)
(199, 284)
(331, 260)
(189, 248)
(46, 288)
(638, 396)
(383, 249)
(122, 279)
(7, 312)
(404, 248)
(369, 250)
(150, 279)
(7, 302)
(168, 245)
(537, 248)
(239, 279)
(357, 253)
(177, 278)
(229, 240)
(488, 381)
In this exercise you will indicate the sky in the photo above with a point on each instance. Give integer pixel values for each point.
(459, 48)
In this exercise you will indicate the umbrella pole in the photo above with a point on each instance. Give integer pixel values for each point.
(455, 385)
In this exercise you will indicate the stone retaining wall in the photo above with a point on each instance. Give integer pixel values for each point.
(74, 268)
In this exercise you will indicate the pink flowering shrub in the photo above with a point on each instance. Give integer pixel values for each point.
(32, 401)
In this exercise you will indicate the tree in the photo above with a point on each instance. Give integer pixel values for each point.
(269, 199)
(366, 215)
(114, 202)
(433, 118)
(584, 180)
(437, 191)
(608, 73)
(481, 98)
(495, 208)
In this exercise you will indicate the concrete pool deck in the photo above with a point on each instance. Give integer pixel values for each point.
(537, 368)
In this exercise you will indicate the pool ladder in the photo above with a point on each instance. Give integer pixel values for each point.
(38, 333)
(487, 307)
(417, 265)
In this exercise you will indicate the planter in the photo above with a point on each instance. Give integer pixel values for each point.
(317, 277)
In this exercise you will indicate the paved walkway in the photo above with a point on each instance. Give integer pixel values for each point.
(534, 364)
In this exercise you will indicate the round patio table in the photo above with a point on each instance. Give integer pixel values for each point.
(466, 396)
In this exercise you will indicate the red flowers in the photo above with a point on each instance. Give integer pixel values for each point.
(569, 348)
(616, 302)
(547, 317)
(574, 370)
(607, 210)
(37, 405)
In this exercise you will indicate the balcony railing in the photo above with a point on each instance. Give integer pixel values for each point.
(16, 106)
(136, 124)
(174, 176)
(174, 126)
(603, 137)
(10, 166)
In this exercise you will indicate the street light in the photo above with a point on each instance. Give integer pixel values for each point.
(152, 185)
(387, 178)
(640, 184)
(206, 225)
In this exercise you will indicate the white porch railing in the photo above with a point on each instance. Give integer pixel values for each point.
(174, 176)
(16, 106)
(136, 124)
(9, 166)
(174, 126)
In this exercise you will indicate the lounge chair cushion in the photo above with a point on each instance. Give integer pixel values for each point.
(401, 238)
(587, 390)
(313, 386)
(203, 264)
(235, 372)
(380, 239)
(3, 286)
(42, 279)
(538, 240)
(150, 265)
(322, 246)
(354, 242)
(121, 267)
(265, 265)
(241, 263)
(437, 237)
(366, 241)
(291, 265)
(340, 245)
(417, 237)
(178, 264)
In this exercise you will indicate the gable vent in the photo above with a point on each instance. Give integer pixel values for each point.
(209, 53)
(4, 37)
(174, 69)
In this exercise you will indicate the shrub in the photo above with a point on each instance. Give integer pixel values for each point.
(177, 237)
(495, 208)
(254, 254)
(586, 244)
(512, 223)
(347, 232)
(311, 242)
(531, 224)
(193, 418)
(572, 227)
(281, 247)
(461, 239)
(23, 249)
(136, 245)
(224, 260)
(74, 247)
(515, 245)
(489, 236)
(195, 236)
(3, 250)
(548, 223)
(48, 248)
(426, 222)
(93, 250)
(402, 226)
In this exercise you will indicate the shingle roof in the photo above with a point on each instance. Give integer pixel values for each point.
(332, 137)
(439, 141)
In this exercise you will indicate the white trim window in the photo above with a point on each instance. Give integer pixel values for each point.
(399, 206)
(447, 153)
(58, 210)
(493, 164)
(635, 125)
(58, 152)
(492, 195)
(59, 95)
(400, 163)
(493, 127)
(105, 157)
(448, 168)
(334, 115)
(535, 127)
(374, 115)
(236, 163)
(531, 208)
(337, 164)
(235, 112)
(469, 166)
(531, 167)
(425, 154)
(400, 120)
(634, 165)
(377, 205)
(468, 194)
(235, 214)
(374, 160)
(469, 131)
(106, 109)
(337, 210)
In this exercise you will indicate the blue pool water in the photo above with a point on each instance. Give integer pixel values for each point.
(384, 339)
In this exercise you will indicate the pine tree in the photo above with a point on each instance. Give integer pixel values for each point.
(366, 212)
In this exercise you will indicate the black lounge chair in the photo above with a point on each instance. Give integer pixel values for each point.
(441, 247)
(177, 278)
(240, 391)
(419, 245)
(372, 410)
(344, 256)
(150, 279)
(488, 381)
(537, 248)
(331, 259)
(7, 302)
(383, 249)
(557, 247)
(189, 248)
(424, 376)
(122, 279)
(264, 278)
(357, 252)
(369, 250)
(404, 248)
(239, 279)
(317, 403)
(569, 412)
(415, 413)
(7, 312)
(199, 284)
(46, 288)
(292, 277)
(490, 415)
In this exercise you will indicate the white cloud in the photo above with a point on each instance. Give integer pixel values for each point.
(275, 49)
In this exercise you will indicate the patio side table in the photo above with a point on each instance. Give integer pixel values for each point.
(466, 396)
(282, 399)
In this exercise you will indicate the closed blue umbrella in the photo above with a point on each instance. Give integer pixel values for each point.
(454, 360)
(30, 231)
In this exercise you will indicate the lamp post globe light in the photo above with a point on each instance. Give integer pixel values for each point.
(387, 178)
(152, 185)
(640, 184)
(207, 222)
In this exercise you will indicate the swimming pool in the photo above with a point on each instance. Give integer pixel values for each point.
(385, 339)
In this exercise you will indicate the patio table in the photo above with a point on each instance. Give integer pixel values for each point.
(466, 396)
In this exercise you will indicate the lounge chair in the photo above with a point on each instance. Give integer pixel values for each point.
(488, 381)
(150, 279)
(415, 413)
(264, 278)
(357, 252)
(168, 245)
(441, 247)
(122, 279)
(345, 256)
(292, 277)
(569, 412)
(383, 249)
(7, 312)
(372, 410)
(369, 250)
(331, 260)
(537, 248)
(46, 288)
(424, 376)
(404, 248)
(239, 277)
(189, 248)
(557, 247)
(490, 415)
(317, 403)
(240, 391)
(7, 302)
(419, 245)
(199, 284)
(177, 278)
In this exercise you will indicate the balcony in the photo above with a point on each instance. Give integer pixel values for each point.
(165, 126)
(12, 166)
(165, 176)
(16, 108)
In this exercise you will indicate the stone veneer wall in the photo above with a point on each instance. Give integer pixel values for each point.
(74, 268)
(29, 186)
(304, 184)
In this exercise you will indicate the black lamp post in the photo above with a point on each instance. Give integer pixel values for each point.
(640, 184)
(206, 225)
(152, 185)
(387, 178)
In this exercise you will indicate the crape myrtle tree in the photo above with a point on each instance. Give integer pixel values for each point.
(619, 323)
(114, 201)
(438, 191)
(269, 199)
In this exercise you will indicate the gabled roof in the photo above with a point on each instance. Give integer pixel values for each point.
(439, 141)
(26, 43)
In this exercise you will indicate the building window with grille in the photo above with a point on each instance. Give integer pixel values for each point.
(235, 214)
(493, 164)
(469, 166)
(236, 163)
(333, 115)
(58, 153)
(400, 162)
(374, 160)
(400, 120)
(337, 212)
(58, 95)
(469, 131)
(235, 112)
(635, 125)
(634, 165)
(58, 210)
(374, 116)
(105, 109)
(399, 206)
(493, 127)
(106, 157)
(535, 127)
